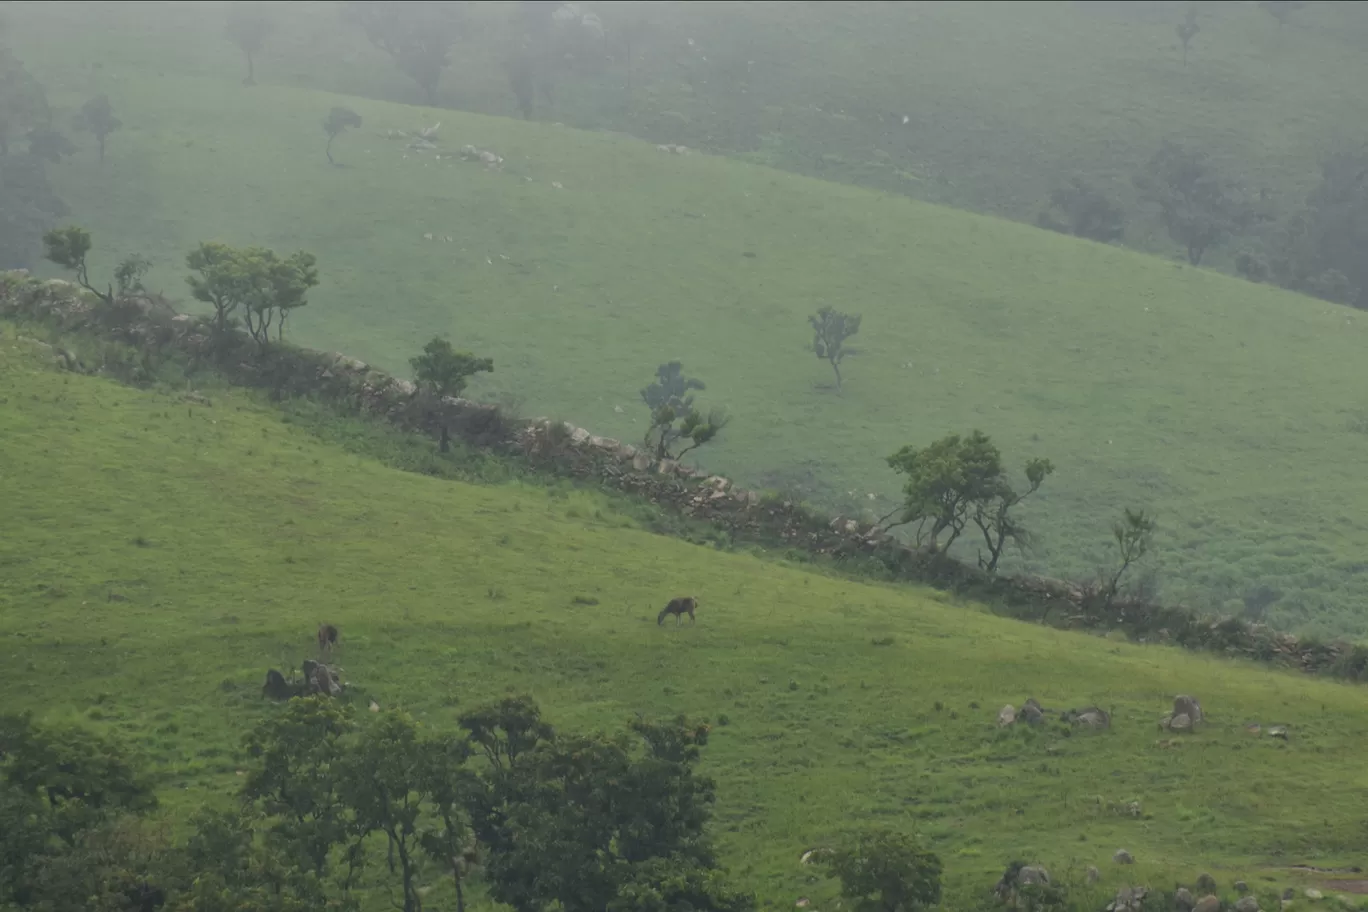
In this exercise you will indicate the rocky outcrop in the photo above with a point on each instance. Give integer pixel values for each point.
(151, 325)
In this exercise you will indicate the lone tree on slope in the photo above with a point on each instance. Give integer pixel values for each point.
(248, 27)
(830, 329)
(441, 371)
(97, 117)
(338, 120)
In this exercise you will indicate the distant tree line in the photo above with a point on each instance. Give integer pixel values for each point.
(336, 805)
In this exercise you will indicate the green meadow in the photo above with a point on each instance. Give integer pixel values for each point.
(1233, 411)
(160, 555)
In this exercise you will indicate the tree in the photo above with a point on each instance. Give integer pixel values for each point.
(1086, 212)
(993, 514)
(381, 782)
(1134, 535)
(448, 839)
(68, 248)
(1187, 30)
(296, 780)
(80, 777)
(593, 823)
(669, 426)
(97, 117)
(1282, 9)
(945, 482)
(887, 871)
(1329, 241)
(265, 287)
(507, 730)
(673, 416)
(830, 329)
(1197, 209)
(417, 34)
(442, 371)
(339, 119)
(49, 144)
(248, 27)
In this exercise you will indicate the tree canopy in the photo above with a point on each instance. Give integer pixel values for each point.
(255, 281)
(416, 34)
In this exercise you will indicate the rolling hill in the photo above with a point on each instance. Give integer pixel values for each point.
(161, 554)
(1231, 410)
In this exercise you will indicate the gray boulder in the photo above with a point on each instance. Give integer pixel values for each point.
(1247, 904)
(1206, 883)
(1187, 706)
(1006, 715)
(1208, 903)
(1094, 875)
(1032, 713)
(1128, 899)
(1123, 857)
(1183, 899)
(1241, 887)
(1182, 722)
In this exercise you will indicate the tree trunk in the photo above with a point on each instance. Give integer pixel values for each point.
(331, 137)
(251, 70)
(100, 144)
(837, 368)
(460, 893)
(444, 444)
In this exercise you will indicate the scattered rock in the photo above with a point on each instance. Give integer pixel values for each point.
(1247, 904)
(1208, 903)
(321, 679)
(1278, 731)
(1017, 876)
(1314, 895)
(1128, 899)
(1088, 717)
(374, 707)
(1032, 713)
(1180, 723)
(1183, 899)
(1206, 883)
(276, 687)
(1241, 887)
(801, 903)
(1093, 875)
(197, 398)
(1187, 706)
(1123, 857)
(1006, 716)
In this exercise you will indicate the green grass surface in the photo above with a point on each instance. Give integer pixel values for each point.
(1005, 101)
(1227, 408)
(159, 556)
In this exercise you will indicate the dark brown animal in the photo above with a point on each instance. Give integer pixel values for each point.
(677, 607)
(327, 638)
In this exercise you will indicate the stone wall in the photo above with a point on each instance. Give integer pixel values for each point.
(153, 328)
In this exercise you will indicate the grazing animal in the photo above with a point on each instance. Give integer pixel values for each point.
(327, 637)
(677, 607)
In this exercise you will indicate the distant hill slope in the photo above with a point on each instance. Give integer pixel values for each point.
(159, 555)
(1003, 101)
(1233, 411)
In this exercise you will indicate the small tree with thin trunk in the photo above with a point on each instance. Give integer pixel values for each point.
(830, 329)
(441, 371)
(1134, 535)
(1187, 30)
(97, 117)
(995, 521)
(248, 28)
(338, 120)
(68, 248)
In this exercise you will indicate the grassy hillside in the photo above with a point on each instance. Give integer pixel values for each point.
(1003, 102)
(160, 556)
(1229, 409)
